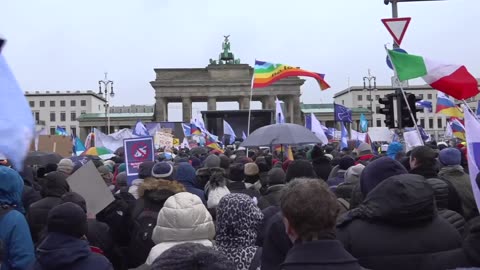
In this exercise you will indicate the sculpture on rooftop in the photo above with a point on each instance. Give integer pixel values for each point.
(226, 56)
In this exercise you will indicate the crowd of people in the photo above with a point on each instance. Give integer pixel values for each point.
(249, 209)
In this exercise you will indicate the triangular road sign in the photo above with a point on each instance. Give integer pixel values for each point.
(397, 27)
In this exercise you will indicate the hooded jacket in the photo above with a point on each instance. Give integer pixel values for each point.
(55, 186)
(186, 175)
(238, 220)
(461, 182)
(183, 218)
(397, 227)
(14, 232)
(60, 251)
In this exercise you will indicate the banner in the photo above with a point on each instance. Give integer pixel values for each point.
(163, 139)
(113, 141)
(137, 151)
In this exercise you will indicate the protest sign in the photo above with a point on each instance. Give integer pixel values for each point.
(163, 139)
(88, 182)
(137, 151)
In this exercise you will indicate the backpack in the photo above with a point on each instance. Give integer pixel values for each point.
(141, 238)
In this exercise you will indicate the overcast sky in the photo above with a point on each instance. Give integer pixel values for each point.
(60, 45)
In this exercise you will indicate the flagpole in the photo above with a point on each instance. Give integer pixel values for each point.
(470, 109)
(405, 98)
(250, 102)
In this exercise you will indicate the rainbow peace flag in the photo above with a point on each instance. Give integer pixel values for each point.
(287, 151)
(265, 73)
(446, 106)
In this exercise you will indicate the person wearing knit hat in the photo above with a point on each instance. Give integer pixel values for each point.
(65, 166)
(195, 162)
(343, 165)
(364, 153)
(107, 176)
(275, 185)
(251, 169)
(252, 177)
(300, 168)
(377, 171)
(64, 246)
(162, 170)
(212, 161)
(455, 175)
(352, 177)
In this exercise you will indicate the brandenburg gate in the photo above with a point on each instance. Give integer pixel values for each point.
(225, 79)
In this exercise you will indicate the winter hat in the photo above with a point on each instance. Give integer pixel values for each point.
(345, 163)
(121, 180)
(185, 173)
(66, 166)
(103, 170)
(276, 176)
(251, 169)
(145, 169)
(196, 162)
(364, 149)
(224, 162)
(450, 157)
(377, 171)
(262, 164)
(354, 172)
(75, 198)
(300, 168)
(11, 188)
(316, 152)
(212, 161)
(162, 170)
(67, 218)
(329, 156)
(237, 172)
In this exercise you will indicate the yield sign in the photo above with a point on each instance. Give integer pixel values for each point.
(397, 27)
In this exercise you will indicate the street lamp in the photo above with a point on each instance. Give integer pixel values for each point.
(106, 82)
(370, 88)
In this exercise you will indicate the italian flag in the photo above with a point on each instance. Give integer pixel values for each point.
(453, 80)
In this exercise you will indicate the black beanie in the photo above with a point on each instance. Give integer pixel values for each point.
(300, 168)
(75, 198)
(345, 163)
(145, 169)
(237, 173)
(67, 218)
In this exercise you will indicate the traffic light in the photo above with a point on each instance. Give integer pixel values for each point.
(387, 110)
(406, 118)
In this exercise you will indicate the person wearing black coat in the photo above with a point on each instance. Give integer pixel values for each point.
(310, 210)
(55, 186)
(275, 184)
(397, 227)
(31, 189)
(63, 247)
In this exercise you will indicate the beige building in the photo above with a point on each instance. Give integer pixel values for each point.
(357, 97)
(52, 109)
(132, 109)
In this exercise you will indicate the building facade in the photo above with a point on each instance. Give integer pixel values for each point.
(357, 97)
(52, 109)
(132, 109)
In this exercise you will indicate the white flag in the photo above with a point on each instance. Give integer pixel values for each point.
(472, 128)
(317, 129)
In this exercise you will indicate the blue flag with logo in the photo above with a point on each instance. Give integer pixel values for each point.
(17, 126)
(342, 113)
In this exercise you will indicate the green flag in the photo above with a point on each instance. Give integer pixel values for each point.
(407, 66)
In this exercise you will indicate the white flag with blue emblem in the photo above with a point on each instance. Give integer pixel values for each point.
(16, 121)
(472, 128)
(140, 130)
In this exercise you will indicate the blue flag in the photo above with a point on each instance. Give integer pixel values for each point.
(60, 131)
(244, 136)
(17, 127)
(228, 130)
(344, 138)
(140, 130)
(363, 123)
(342, 113)
(425, 104)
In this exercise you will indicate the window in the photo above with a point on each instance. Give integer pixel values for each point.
(74, 130)
(52, 103)
(32, 103)
(52, 116)
(369, 108)
(73, 116)
(429, 96)
(42, 103)
(439, 123)
(422, 122)
(379, 123)
(52, 130)
(369, 97)
(63, 117)
(421, 96)
(360, 106)
(99, 107)
(343, 102)
(360, 97)
(430, 123)
(37, 116)
(73, 103)
(377, 97)
(83, 112)
(83, 103)
(62, 103)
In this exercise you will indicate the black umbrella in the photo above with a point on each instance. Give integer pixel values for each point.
(283, 134)
(42, 158)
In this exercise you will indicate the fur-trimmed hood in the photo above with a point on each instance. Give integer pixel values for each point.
(158, 190)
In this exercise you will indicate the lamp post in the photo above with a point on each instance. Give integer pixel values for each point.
(106, 82)
(370, 88)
